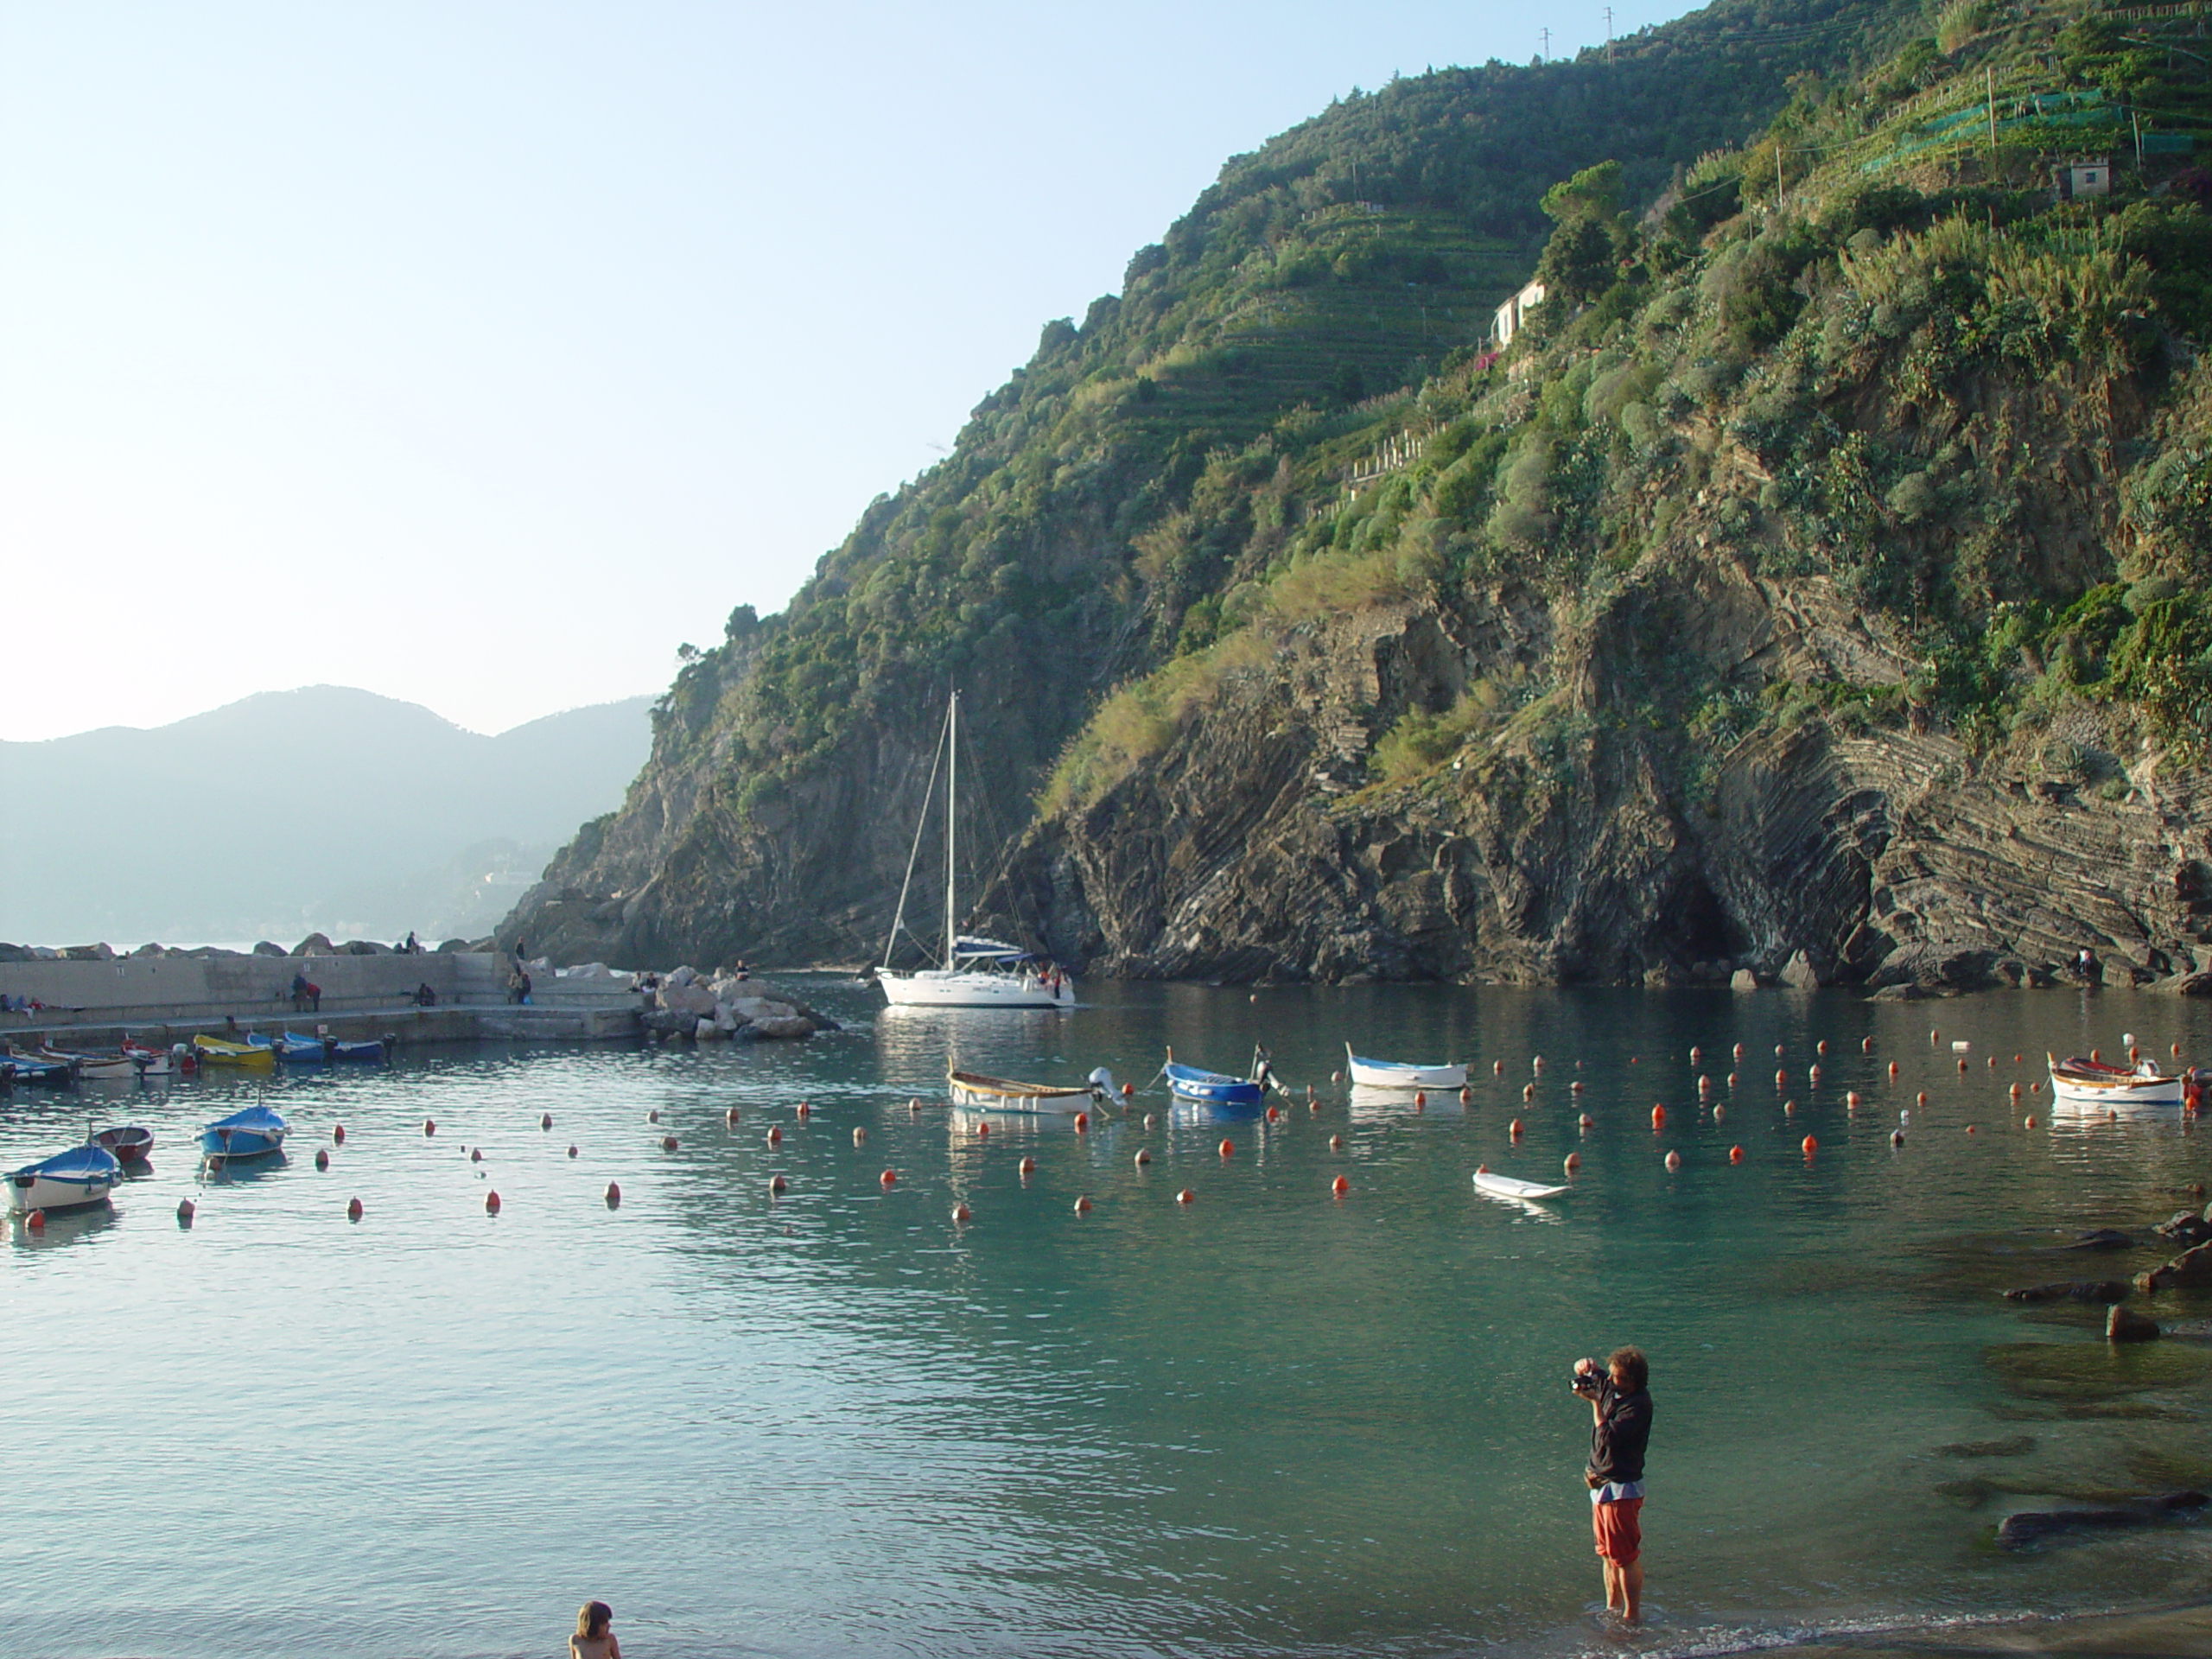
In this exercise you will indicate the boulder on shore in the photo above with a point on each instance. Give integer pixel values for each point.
(2122, 1325)
(1743, 980)
(2187, 1227)
(2189, 1269)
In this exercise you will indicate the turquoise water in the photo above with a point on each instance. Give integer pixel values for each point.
(1268, 1421)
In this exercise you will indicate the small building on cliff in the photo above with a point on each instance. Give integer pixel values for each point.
(1507, 322)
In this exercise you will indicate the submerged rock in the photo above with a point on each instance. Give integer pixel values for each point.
(2032, 1526)
(2079, 1290)
(2123, 1325)
(2012, 1445)
(2104, 1239)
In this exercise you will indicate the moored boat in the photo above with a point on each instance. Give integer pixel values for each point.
(214, 1050)
(93, 1067)
(2091, 1083)
(128, 1142)
(320, 1050)
(151, 1062)
(977, 1092)
(69, 1180)
(1403, 1074)
(31, 1068)
(1218, 1088)
(253, 1133)
(1508, 1186)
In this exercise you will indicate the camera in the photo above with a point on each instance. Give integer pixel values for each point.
(1582, 1382)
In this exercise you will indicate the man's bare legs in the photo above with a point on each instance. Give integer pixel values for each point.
(1624, 1588)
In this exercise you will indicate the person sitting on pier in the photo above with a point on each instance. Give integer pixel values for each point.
(424, 996)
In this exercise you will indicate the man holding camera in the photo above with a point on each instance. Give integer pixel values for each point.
(1620, 1413)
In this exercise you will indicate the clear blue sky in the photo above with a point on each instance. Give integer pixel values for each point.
(480, 354)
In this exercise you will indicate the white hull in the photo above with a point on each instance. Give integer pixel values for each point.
(933, 987)
(44, 1192)
(1377, 1074)
(999, 1100)
(1506, 1186)
(2155, 1091)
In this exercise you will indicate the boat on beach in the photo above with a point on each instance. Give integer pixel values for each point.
(215, 1051)
(978, 1092)
(253, 1133)
(2091, 1083)
(973, 973)
(69, 1180)
(128, 1142)
(1402, 1074)
(1218, 1088)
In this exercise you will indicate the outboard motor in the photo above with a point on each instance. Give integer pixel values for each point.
(1102, 1083)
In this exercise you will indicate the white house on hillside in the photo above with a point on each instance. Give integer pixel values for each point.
(1508, 320)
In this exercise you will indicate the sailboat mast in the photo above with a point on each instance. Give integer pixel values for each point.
(951, 798)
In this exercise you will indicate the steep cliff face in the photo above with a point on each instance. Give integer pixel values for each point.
(1820, 585)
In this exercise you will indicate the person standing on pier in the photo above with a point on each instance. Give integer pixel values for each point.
(1620, 1417)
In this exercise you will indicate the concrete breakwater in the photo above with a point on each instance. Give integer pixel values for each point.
(95, 1002)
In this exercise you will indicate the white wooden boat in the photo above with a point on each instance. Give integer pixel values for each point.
(1402, 1074)
(2091, 1083)
(977, 1092)
(973, 973)
(1506, 1186)
(69, 1180)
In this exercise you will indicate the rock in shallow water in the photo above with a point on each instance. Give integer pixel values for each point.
(2032, 1526)
(2124, 1325)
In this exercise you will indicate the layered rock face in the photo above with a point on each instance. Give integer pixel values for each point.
(1573, 846)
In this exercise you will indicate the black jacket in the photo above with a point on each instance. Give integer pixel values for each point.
(1619, 1435)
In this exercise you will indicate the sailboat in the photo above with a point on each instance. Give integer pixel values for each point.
(974, 973)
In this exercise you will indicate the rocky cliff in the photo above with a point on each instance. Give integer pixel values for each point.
(1811, 589)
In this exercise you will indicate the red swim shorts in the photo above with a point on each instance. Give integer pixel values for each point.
(1619, 1536)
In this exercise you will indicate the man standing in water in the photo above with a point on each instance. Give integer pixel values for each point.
(1620, 1415)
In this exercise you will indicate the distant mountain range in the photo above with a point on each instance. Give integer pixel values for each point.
(323, 809)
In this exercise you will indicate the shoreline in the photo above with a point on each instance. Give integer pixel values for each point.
(2177, 1632)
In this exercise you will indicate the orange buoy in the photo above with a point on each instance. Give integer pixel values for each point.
(322, 1157)
(1811, 1145)
(476, 1155)
(1821, 1047)
(353, 1208)
(1933, 1037)
(1658, 1119)
(491, 1204)
(1920, 1099)
(1514, 1128)
(1992, 1062)
(1481, 1169)
(1574, 1162)
(778, 1184)
(1778, 1050)
(1704, 1085)
(1812, 1076)
(1851, 1099)
(1587, 1121)
(653, 1116)
(1962, 1068)
(1781, 1080)
(1275, 1116)
(889, 1178)
(1536, 1064)
(1142, 1158)
(860, 1137)
(1896, 1137)
(1083, 1205)
(1028, 1167)
(1228, 1148)
(1082, 1122)
(2096, 1054)
(775, 1135)
(982, 1126)
(1340, 1186)
(2029, 1122)
(730, 1117)
(1789, 1109)
(1528, 1091)
(429, 1128)
(614, 1193)
(1719, 1112)
(1149, 1120)
(338, 1134)
(1732, 1080)
(1893, 1068)
(1969, 1129)
(185, 1211)
(1421, 1097)
(1735, 1154)
(1739, 1051)
(2016, 1058)
(1574, 1088)
(1185, 1196)
(1674, 1161)
(2014, 1092)
(1866, 1045)
(572, 1151)
(1335, 1143)
(1127, 1090)
(545, 1121)
(1696, 1054)
(1314, 1107)
(2175, 1051)
(961, 1215)
(1497, 1068)
(35, 1221)
(913, 1107)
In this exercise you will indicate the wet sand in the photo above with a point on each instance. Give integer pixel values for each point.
(2175, 1633)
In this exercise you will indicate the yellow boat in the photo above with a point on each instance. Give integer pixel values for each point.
(213, 1051)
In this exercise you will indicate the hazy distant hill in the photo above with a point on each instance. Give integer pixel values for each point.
(319, 809)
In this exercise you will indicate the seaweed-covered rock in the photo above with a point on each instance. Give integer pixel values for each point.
(2032, 1526)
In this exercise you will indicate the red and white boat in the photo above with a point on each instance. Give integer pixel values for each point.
(2092, 1083)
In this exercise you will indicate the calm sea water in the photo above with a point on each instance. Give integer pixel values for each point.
(1267, 1422)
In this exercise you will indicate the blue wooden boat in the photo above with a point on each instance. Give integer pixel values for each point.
(69, 1180)
(314, 1050)
(1218, 1089)
(30, 1068)
(254, 1132)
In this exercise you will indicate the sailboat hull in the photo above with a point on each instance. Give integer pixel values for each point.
(934, 988)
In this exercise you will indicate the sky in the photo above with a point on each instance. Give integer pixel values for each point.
(481, 354)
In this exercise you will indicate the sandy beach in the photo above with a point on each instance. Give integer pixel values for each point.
(2171, 1633)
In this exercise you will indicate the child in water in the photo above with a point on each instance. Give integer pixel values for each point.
(594, 1637)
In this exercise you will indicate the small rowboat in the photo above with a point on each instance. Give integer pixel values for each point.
(254, 1132)
(1402, 1074)
(1218, 1088)
(129, 1143)
(151, 1062)
(1505, 1186)
(320, 1050)
(69, 1180)
(213, 1051)
(2091, 1083)
(94, 1068)
(31, 1068)
(979, 1093)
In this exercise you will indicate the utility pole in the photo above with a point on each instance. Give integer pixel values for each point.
(1777, 176)
(1609, 34)
(1548, 46)
(1989, 87)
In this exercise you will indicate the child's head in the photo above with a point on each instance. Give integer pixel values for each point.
(593, 1618)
